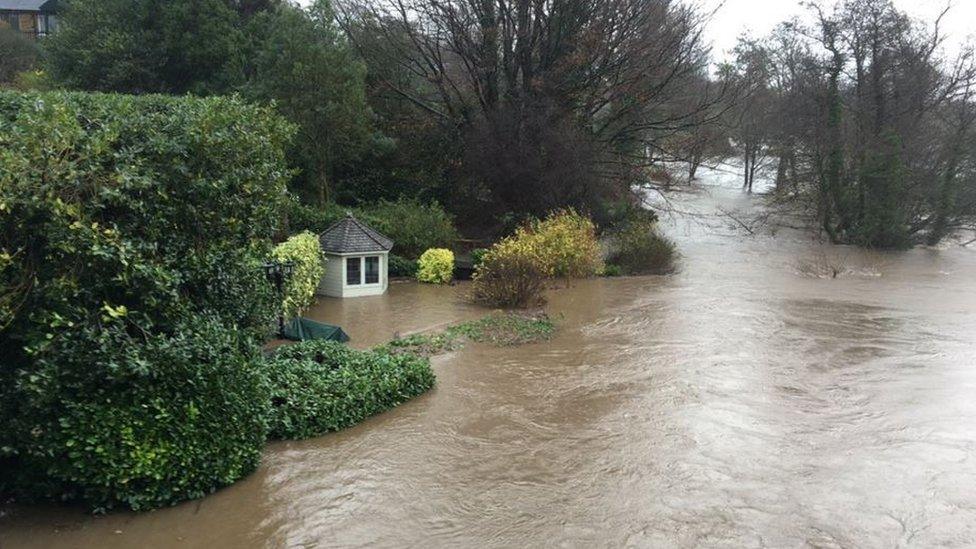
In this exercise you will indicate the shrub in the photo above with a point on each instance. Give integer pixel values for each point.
(508, 276)
(413, 225)
(610, 270)
(17, 53)
(320, 386)
(113, 416)
(314, 219)
(150, 209)
(400, 266)
(512, 272)
(305, 252)
(565, 243)
(477, 256)
(436, 266)
(640, 249)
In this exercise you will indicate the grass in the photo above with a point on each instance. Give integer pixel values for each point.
(503, 330)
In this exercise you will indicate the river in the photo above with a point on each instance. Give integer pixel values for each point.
(772, 393)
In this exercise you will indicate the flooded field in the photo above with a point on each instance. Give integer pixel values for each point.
(774, 392)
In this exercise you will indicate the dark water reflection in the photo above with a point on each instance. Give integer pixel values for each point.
(740, 402)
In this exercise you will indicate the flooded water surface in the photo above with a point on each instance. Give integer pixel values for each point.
(773, 392)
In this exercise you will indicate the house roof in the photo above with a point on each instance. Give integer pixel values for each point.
(350, 235)
(29, 5)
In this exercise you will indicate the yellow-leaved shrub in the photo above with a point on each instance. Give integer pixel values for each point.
(512, 272)
(305, 252)
(565, 244)
(436, 266)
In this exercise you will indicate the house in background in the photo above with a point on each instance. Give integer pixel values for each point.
(33, 18)
(356, 259)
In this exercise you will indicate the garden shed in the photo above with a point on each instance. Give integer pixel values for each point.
(356, 259)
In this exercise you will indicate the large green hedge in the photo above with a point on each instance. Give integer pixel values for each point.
(414, 226)
(320, 386)
(127, 221)
(111, 417)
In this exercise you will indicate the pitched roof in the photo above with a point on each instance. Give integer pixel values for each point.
(28, 5)
(349, 235)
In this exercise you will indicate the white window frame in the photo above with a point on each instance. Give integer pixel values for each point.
(362, 271)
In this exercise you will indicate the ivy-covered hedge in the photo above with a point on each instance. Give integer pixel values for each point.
(131, 236)
(320, 386)
(305, 252)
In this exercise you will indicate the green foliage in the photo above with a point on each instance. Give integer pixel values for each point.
(142, 46)
(154, 210)
(32, 80)
(884, 220)
(504, 330)
(320, 386)
(478, 256)
(301, 61)
(112, 416)
(436, 266)
(400, 266)
(640, 249)
(611, 270)
(305, 252)
(413, 225)
(17, 54)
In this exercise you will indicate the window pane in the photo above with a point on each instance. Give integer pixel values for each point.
(352, 270)
(373, 270)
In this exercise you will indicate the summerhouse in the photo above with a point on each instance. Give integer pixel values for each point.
(356, 259)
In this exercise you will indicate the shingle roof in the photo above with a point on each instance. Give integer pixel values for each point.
(28, 5)
(349, 235)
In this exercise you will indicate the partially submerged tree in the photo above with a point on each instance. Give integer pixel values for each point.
(871, 124)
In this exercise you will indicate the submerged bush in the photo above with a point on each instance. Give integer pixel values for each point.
(436, 266)
(305, 252)
(512, 273)
(565, 244)
(508, 276)
(641, 249)
(113, 416)
(320, 386)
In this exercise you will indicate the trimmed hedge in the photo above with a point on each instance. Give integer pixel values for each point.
(436, 266)
(321, 386)
(132, 237)
(305, 251)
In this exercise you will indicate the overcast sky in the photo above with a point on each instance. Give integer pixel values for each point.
(733, 17)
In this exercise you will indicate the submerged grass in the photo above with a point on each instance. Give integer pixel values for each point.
(503, 330)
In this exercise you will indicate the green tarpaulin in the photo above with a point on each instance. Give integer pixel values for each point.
(302, 329)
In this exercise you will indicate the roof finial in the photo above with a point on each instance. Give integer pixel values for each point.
(348, 213)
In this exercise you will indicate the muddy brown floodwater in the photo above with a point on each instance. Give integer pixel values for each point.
(749, 400)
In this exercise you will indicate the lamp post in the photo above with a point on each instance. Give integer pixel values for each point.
(277, 272)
